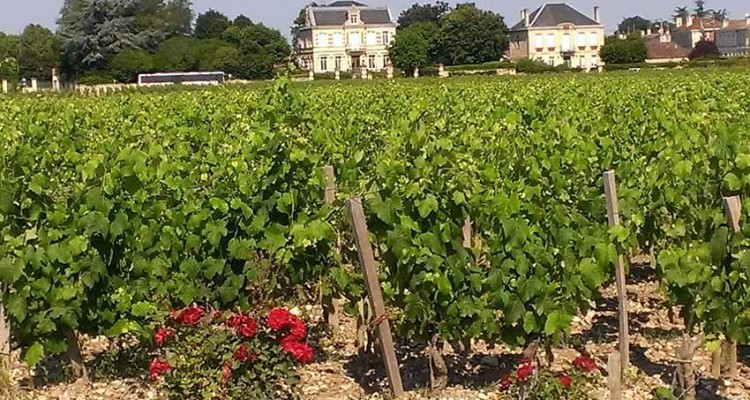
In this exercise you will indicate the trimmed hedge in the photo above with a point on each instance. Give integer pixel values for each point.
(493, 65)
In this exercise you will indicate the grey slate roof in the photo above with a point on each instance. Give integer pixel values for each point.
(336, 14)
(553, 14)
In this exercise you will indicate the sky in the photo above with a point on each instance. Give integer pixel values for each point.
(16, 14)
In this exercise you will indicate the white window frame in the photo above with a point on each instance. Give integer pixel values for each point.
(593, 39)
(337, 63)
(581, 39)
(371, 61)
(321, 40)
(371, 38)
(354, 18)
(338, 39)
(538, 41)
(566, 45)
(323, 63)
(550, 40)
(386, 38)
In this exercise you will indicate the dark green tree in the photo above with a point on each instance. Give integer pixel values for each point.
(630, 50)
(704, 49)
(211, 25)
(178, 16)
(423, 13)
(700, 9)
(409, 50)
(9, 57)
(126, 65)
(261, 49)
(469, 35)
(242, 21)
(634, 24)
(38, 52)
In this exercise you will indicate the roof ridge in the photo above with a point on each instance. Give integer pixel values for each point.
(538, 13)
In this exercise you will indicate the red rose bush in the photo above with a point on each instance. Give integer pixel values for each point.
(530, 382)
(215, 355)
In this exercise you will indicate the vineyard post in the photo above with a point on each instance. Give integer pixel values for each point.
(375, 294)
(733, 209)
(330, 304)
(614, 377)
(613, 216)
(4, 343)
(466, 230)
(5, 86)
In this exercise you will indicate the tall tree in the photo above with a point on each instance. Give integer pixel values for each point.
(631, 50)
(39, 52)
(409, 50)
(211, 25)
(242, 21)
(423, 13)
(681, 12)
(634, 24)
(9, 47)
(178, 16)
(700, 8)
(469, 35)
(261, 48)
(719, 14)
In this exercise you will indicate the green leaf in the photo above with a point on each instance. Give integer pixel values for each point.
(428, 206)
(444, 285)
(459, 198)
(732, 182)
(34, 354)
(557, 321)
(10, 270)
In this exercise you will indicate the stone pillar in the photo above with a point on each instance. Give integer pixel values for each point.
(364, 72)
(389, 72)
(55, 80)
(33, 85)
(416, 72)
(601, 69)
(5, 86)
(337, 75)
(311, 75)
(441, 70)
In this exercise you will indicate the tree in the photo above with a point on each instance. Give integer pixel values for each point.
(423, 13)
(430, 31)
(469, 35)
(631, 50)
(634, 24)
(681, 12)
(720, 14)
(211, 25)
(260, 47)
(242, 21)
(126, 65)
(700, 9)
(409, 50)
(9, 46)
(178, 16)
(94, 31)
(704, 49)
(38, 53)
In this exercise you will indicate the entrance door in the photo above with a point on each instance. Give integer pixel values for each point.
(356, 62)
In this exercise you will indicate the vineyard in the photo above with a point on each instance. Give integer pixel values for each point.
(115, 210)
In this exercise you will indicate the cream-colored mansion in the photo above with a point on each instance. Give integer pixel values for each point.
(556, 34)
(345, 36)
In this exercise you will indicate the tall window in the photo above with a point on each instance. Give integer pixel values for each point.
(581, 39)
(371, 62)
(321, 40)
(551, 61)
(371, 39)
(566, 42)
(594, 61)
(538, 41)
(593, 39)
(338, 63)
(354, 40)
(324, 64)
(386, 61)
(338, 39)
(353, 18)
(386, 38)
(582, 61)
(550, 40)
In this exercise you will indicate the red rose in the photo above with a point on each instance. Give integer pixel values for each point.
(297, 327)
(505, 382)
(162, 334)
(584, 363)
(243, 324)
(241, 354)
(525, 371)
(300, 351)
(226, 372)
(278, 319)
(188, 316)
(157, 368)
(565, 380)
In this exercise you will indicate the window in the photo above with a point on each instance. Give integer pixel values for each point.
(338, 63)
(550, 40)
(338, 39)
(593, 39)
(566, 42)
(581, 39)
(353, 18)
(594, 61)
(551, 61)
(371, 40)
(324, 64)
(371, 62)
(386, 61)
(540, 59)
(386, 38)
(538, 41)
(322, 40)
(582, 62)
(354, 40)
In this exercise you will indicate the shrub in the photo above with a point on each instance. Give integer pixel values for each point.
(428, 71)
(493, 65)
(226, 355)
(96, 78)
(530, 66)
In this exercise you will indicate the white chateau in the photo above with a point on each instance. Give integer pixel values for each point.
(345, 36)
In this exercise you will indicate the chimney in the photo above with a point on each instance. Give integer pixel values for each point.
(596, 14)
(678, 21)
(525, 17)
(648, 32)
(747, 19)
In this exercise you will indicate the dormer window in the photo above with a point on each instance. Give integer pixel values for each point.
(353, 18)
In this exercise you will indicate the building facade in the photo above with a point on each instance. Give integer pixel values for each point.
(693, 30)
(556, 34)
(345, 36)
(734, 39)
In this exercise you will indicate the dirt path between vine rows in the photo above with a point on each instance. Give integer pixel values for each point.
(341, 373)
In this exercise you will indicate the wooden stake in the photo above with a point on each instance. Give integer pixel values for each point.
(4, 343)
(375, 294)
(733, 210)
(73, 354)
(614, 377)
(466, 230)
(716, 362)
(613, 215)
(331, 305)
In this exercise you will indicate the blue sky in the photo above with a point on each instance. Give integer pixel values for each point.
(15, 14)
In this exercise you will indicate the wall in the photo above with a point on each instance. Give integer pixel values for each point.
(546, 54)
